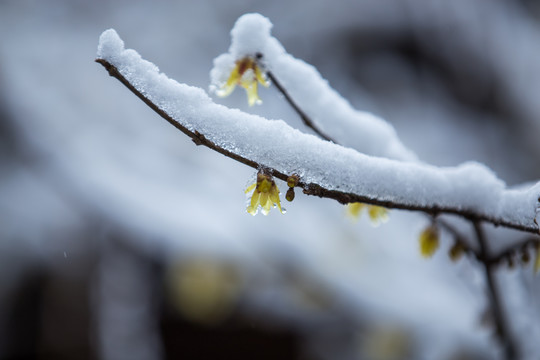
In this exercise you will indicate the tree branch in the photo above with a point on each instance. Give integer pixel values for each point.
(520, 246)
(312, 188)
(197, 137)
(503, 331)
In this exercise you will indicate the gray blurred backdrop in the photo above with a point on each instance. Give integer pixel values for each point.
(120, 239)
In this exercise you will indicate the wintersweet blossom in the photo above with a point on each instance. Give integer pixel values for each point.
(265, 194)
(247, 73)
(377, 214)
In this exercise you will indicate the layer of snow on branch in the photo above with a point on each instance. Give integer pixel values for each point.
(276, 145)
(360, 130)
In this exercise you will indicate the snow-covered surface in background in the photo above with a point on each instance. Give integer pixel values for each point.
(274, 144)
(359, 130)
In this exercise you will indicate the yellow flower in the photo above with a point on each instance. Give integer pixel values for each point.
(429, 241)
(246, 73)
(377, 214)
(265, 194)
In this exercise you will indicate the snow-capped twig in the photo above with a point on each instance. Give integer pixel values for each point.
(196, 137)
(325, 169)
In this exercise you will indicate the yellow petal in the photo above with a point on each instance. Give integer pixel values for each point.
(353, 209)
(429, 241)
(264, 198)
(234, 77)
(252, 95)
(378, 214)
(265, 202)
(274, 195)
(250, 187)
(252, 208)
(260, 77)
(278, 204)
(229, 86)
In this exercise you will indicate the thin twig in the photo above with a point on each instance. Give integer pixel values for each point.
(503, 331)
(520, 246)
(311, 188)
(307, 121)
(458, 238)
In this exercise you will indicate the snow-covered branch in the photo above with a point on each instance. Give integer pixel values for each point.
(325, 169)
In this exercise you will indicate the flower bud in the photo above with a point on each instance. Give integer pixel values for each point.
(456, 251)
(290, 194)
(525, 257)
(292, 180)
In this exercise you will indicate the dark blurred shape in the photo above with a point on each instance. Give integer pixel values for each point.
(236, 338)
(532, 7)
(48, 316)
(22, 325)
(467, 79)
(52, 314)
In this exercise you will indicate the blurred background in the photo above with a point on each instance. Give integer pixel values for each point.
(120, 239)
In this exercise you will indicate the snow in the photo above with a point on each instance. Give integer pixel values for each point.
(360, 130)
(470, 187)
